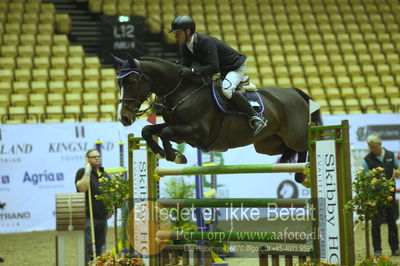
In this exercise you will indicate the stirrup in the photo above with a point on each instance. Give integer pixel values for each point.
(263, 120)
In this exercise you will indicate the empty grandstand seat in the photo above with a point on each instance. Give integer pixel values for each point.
(29, 28)
(30, 18)
(7, 62)
(73, 98)
(91, 73)
(21, 87)
(57, 86)
(36, 113)
(19, 99)
(36, 99)
(9, 50)
(72, 112)
(91, 85)
(108, 98)
(108, 85)
(74, 74)
(32, 7)
(90, 98)
(63, 23)
(74, 86)
(75, 62)
(39, 86)
(60, 50)
(75, 50)
(107, 73)
(26, 51)
(60, 39)
(108, 109)
(43, 50)
(41, 62)
(22, 74)
(28, 39)
(40, 74)
(55, 99)
(57, 74)
(90, 112)
(44, 39)
(45, 28)
(54, 113)
(11, 39)
(4, 100)
(6, 74)
(58, 62)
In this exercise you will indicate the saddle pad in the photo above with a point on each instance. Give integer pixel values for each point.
(229, 107)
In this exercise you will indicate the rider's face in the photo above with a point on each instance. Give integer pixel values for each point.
(180, 36)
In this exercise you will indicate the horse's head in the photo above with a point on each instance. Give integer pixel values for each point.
(134, 90)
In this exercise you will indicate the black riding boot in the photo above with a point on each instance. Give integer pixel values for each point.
(257, 122)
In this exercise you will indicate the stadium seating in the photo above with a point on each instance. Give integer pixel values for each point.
(343, 53)
(43, 78)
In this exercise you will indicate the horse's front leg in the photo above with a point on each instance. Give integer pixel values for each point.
(183, 133)
(153, 130)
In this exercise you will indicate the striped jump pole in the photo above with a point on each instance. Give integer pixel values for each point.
(234, 169)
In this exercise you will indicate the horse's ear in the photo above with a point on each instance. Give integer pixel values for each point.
(117, 59)
(134, 63)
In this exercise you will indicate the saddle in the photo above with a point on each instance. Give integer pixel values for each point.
(244, 87)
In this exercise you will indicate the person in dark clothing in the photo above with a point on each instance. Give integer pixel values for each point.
(91, 174)
(380, 157)
(213, 56)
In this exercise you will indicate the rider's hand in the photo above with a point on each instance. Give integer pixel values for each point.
(185, 71)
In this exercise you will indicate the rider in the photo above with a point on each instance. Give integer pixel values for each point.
(214, 56)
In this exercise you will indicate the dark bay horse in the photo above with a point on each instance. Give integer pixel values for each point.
(191, 115)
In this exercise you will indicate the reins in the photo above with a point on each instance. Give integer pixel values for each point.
(158, 102)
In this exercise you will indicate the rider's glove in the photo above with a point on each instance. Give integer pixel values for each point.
(185, 71)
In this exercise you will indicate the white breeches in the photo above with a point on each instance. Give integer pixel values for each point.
(232, 79)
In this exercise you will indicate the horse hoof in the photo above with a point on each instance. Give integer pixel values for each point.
(299, 177)
(180, 158)
(170, 156)
(159, 156)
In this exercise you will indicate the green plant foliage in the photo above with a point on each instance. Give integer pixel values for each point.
(178, 188)
(372, 191)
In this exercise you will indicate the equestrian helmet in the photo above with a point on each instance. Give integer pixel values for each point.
(183, 23)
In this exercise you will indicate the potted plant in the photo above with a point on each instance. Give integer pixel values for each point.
(372, 191)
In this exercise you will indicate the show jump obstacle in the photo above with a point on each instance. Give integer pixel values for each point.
(330, 180)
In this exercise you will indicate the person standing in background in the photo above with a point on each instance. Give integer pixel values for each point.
(85, 177)
(380, 157)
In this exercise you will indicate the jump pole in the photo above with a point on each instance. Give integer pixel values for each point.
(234, 169)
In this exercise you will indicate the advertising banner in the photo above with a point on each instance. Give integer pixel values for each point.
(328, 201)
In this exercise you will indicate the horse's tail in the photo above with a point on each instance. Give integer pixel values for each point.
(316, 116)
(289, 155)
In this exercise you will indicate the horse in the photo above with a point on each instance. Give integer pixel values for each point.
(191, 115)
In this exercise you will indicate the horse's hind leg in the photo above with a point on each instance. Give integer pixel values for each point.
(301, 158)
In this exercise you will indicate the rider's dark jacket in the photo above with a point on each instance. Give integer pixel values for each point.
(212, 55)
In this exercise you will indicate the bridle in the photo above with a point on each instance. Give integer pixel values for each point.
(135, 100)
